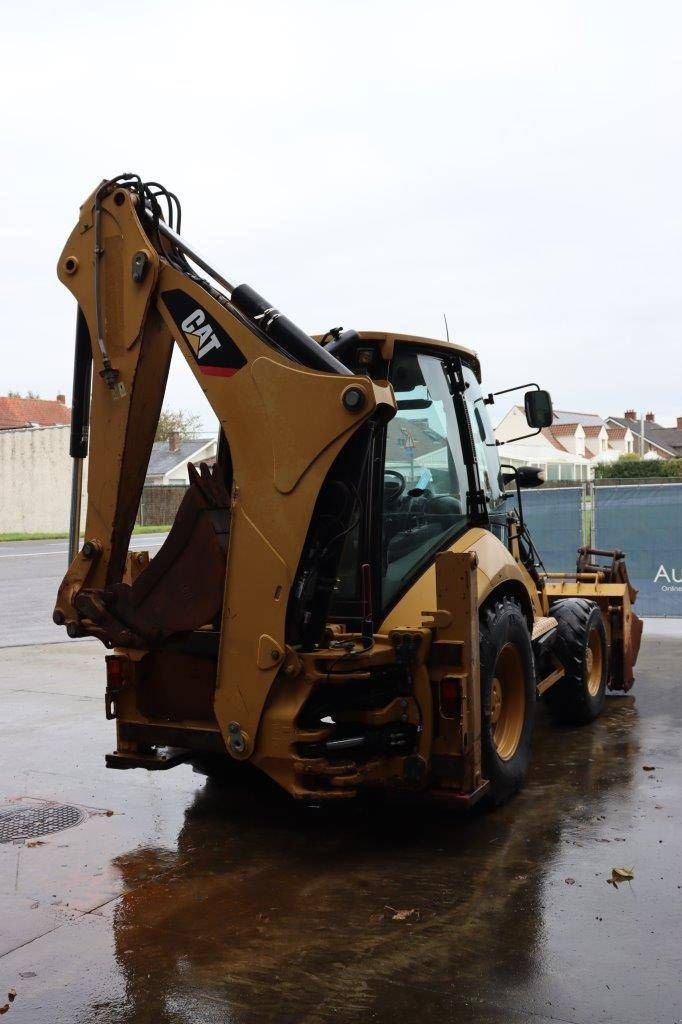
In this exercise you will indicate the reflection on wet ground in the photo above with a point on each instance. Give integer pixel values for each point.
(219, 900)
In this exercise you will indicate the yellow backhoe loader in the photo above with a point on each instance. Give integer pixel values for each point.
(344, 599)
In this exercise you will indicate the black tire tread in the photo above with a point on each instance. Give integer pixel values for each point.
(569, 699)
(505, 778)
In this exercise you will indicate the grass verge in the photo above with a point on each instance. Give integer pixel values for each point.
(63, 536)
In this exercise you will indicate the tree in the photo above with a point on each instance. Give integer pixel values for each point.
(186, 424)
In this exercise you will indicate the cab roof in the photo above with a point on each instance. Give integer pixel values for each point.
(388, 340)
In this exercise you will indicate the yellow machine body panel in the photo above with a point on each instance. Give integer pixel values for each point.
(495, 568)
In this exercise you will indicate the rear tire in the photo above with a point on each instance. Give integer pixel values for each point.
(507, 698)
(581, 648)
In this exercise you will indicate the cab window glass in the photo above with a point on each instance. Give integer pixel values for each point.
(484, 441)
(425, 479)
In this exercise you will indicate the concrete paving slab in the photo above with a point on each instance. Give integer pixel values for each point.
(217, 901)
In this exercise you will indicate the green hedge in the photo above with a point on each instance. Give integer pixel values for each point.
(629, 467)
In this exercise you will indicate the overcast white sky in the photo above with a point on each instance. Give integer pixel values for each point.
(370, 163)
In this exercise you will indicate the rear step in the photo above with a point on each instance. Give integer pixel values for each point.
(544, 631)
(156, 759)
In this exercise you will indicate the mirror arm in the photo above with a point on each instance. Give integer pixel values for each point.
(493, 394)
(496, 443)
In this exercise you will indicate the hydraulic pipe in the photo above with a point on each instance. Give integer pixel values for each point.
(80, 423)
(279, 328)
(75, 512)
(182, 245)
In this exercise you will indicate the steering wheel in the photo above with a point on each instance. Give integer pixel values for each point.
(397, 489)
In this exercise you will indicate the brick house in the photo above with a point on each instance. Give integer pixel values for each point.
(657, 442)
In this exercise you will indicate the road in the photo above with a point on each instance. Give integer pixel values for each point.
(179, 899)
(30, 573)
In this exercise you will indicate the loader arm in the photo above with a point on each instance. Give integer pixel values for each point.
(288, 409)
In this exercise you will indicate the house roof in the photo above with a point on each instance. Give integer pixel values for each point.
(593, 431)
(563, 417)
(163, 460)
(27, 412)
(669, 439)
(586, 419)
(617, 433)
(635, 423)
(548, 434)
(564, 429)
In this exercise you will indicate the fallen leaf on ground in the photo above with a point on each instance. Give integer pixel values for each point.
(569, 881)
(648, 767)
(36, 842)
(12, 994)
(4, 1009)
(620, 875)
(376, 918)
(411, 914)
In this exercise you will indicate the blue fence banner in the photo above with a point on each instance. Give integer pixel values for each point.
(553, 518)
(645, 521)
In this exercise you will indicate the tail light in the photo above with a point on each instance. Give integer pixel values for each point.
(118, 674)
(450, 698)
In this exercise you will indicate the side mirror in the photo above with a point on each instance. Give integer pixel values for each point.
(530, 476)
(539, 412)
(523, 476)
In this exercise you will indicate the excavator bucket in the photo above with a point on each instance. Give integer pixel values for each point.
(169, 597)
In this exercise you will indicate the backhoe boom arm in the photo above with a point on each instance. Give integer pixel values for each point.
(286, 408)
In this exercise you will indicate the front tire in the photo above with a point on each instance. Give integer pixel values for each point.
(582, 650)
(507, 698)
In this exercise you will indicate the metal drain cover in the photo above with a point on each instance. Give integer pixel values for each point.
(24, 822)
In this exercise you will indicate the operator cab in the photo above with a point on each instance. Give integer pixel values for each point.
(431, 487)
(435, 464)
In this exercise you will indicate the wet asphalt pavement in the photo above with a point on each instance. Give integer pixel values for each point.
(198, 901)
(30, 573)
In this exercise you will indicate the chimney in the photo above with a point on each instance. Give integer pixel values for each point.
(630, 414)
(679, 422)
(650, 418)
(61, 399)
(174, 441)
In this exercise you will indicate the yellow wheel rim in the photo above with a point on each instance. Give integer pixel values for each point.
(507, 702)
(593, 663)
